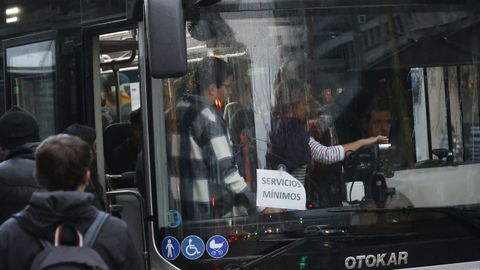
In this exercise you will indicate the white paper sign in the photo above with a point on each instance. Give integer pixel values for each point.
(135, 94)
(279, 189)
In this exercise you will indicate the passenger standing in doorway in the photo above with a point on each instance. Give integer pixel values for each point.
(62, 169)
(124, 156)
(203, 174)
(19, 137)
(88, 135)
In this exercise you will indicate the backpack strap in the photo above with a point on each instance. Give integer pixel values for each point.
(94, 229)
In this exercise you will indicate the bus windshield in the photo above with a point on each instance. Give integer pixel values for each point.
(294, 111)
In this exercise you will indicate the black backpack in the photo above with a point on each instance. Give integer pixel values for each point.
(80, 256)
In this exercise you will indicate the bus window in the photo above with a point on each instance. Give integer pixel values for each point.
(468, 78)
(119, 80)
(449, 95)
(30, 74)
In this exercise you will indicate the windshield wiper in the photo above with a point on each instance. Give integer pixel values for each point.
(323, 230)
(277, 252)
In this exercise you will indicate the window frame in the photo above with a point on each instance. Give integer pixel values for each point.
(27, 40)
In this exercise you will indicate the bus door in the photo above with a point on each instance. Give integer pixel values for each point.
(125, 96)
(118, 122)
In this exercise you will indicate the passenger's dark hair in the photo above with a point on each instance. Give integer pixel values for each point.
(210, 70)
(62, 161)
(86, 133)
(288, 92)
(377, 105)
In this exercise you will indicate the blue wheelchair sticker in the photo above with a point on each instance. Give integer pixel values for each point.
(170, 248)
(174, 218)
(217, 246)
(193, 247)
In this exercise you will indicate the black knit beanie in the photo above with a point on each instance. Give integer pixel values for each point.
(17, 127)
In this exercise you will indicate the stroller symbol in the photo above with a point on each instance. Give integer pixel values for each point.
(217, 246)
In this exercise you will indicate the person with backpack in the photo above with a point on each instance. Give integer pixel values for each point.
(60, 227)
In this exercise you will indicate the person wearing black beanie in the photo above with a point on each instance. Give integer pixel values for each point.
(19, 137)
(17, 127)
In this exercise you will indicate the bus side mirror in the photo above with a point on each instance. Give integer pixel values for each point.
(166, 38)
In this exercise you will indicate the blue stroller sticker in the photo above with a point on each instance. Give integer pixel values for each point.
(217, 246)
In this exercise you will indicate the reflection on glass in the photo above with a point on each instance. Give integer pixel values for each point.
(469, 88)
(31, 75)
(102, 9)
(311, 89)
(350, 78)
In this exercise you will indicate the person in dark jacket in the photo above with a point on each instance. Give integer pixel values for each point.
(19, 137)
(88, 135)
(124, 156)
(62, 169)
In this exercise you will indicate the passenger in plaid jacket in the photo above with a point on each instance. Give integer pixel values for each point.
(204, 178)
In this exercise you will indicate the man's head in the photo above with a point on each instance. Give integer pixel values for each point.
(213, 79)
(86, 133)
(379, 120)
(62, 163)
(17, 127)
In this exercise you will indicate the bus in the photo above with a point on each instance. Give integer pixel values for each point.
(404, 69)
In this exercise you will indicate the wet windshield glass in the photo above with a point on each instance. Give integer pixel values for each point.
(300, 109)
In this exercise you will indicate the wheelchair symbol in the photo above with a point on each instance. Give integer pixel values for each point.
(191, 249)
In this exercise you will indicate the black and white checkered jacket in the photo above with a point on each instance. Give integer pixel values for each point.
(203, 175)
